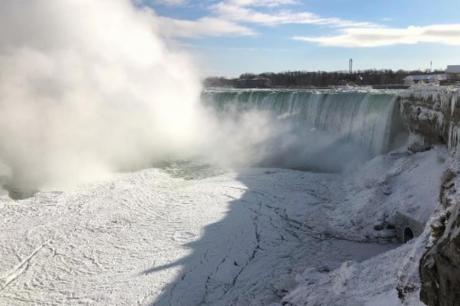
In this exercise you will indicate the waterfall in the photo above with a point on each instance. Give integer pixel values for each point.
(368, 119)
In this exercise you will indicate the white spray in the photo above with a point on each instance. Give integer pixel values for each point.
(87, 88)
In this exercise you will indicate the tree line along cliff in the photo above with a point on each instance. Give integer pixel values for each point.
(314, 79)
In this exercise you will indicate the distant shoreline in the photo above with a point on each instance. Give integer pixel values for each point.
(383, 86)
(378, 79)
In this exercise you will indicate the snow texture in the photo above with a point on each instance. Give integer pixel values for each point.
(252, 237)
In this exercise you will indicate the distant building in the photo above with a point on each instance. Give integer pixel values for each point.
(424, 79)
(453, 72)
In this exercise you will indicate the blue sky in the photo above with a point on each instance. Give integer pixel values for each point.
(229, 37)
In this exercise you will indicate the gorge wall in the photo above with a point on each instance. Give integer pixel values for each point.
(434, 115)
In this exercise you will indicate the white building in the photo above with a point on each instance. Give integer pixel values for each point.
(425, 79)
(453, 72)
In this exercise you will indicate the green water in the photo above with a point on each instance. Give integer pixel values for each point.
(365, 118)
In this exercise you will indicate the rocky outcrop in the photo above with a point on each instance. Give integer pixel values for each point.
(433, 114)
(440, 265)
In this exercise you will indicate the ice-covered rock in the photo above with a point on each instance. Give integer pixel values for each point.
(440, 266)
(434, 114)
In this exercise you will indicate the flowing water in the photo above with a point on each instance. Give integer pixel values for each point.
(323, 131)
(370, 119)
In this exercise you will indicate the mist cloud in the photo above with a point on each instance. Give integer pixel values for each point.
(87, 88)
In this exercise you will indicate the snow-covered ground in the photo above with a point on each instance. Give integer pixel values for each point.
(252, 237)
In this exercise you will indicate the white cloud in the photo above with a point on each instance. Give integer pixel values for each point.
(206, 26)
(448, 34)
(234, 10)
(232, 17)
(171, 2)
(267, 3)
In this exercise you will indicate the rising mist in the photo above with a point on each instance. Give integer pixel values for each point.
(87, 88)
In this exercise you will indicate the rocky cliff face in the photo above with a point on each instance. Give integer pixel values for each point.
(434, 115)
(440, 265)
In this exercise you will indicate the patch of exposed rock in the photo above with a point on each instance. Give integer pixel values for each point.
(440, 265)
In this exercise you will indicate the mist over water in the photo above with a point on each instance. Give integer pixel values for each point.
(305, 130)
(87, 88)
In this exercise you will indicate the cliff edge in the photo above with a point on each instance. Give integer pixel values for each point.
(434, 115)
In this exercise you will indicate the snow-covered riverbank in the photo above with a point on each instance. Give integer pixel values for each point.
(249, 238)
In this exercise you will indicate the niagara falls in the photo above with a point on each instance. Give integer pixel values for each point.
(229, 153)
